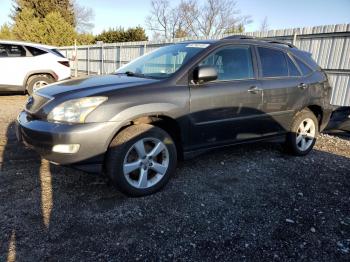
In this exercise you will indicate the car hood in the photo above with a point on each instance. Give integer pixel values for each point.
(96, 84)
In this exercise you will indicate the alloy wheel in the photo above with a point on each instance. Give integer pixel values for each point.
(146, 163)
(305, 134)
(39, 84)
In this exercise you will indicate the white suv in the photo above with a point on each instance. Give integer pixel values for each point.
(25, 67)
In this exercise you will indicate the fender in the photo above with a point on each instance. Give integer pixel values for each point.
(124, 117)
(38, 72)
(134, 112)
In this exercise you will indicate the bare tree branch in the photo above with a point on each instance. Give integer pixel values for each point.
(264, 26)
(163, 18)
(212, 18)
(84, 17)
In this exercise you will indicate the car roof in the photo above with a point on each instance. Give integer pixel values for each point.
(260, 41)
(27, 44)
(266, 42)
(207, 41)
(239, 39)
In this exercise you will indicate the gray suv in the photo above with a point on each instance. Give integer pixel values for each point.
(176, 102)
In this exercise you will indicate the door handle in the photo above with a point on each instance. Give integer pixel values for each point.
(254, 90)
(302, 85)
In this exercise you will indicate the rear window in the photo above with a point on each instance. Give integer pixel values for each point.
(273, 62)
(305, 69)
(55, 51)
(35, 51)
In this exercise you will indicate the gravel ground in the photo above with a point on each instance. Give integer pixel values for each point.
(240, 204)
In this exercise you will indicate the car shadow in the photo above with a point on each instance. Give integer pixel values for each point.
(339, 133)
(57, 213)
(32, 193)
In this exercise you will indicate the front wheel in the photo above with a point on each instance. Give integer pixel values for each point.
(141, 160)
(303, 133)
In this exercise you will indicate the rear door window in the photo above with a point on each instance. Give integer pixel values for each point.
(232, 63)
(273, 62)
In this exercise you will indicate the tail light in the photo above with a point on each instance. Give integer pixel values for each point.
(65, 63)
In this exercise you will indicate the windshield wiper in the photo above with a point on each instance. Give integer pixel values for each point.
(130, 73)
(133, 74)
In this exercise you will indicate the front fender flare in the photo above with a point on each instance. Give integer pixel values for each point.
(137, 111)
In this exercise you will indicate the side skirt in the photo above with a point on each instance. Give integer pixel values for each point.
(273, 139)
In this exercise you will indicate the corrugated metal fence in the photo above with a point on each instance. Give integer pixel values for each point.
(329, 45)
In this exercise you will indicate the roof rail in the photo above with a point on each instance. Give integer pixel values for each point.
(268, 40)
(238, 37)
(276, 42)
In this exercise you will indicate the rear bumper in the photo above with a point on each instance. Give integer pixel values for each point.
(325, 119)
(340, 119)
(93, 138)
(64, 74)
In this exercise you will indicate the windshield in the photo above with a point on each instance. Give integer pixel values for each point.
(163, 62)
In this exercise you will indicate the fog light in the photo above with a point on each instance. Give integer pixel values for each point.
(66, 149)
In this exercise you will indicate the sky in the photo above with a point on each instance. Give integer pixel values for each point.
(280, 13)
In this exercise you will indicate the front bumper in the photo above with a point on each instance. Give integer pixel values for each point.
(93, 138)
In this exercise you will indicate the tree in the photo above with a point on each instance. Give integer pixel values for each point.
(83, 18)
(50, 22)
(42, 8)
(57, 31)
(165, 20)
(6, 32)
(212, 18)
(180, 33)
(85, 39)
(27, 27)
(235, 30)
(264, 26)
(52, 30)
(122, 35)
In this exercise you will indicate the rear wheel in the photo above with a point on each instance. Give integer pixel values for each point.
(38, 81)
(302, 136)
(141, 160)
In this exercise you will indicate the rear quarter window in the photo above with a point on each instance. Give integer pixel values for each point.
(305, 69)
(35, 51)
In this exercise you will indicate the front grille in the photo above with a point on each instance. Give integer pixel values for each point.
(35, 102)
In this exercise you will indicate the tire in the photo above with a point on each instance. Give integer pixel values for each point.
(35, 80)
(300, 142)
(125, 154)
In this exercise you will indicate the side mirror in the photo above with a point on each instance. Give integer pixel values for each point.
(204, 73)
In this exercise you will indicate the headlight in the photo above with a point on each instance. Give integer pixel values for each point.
(76, 110)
